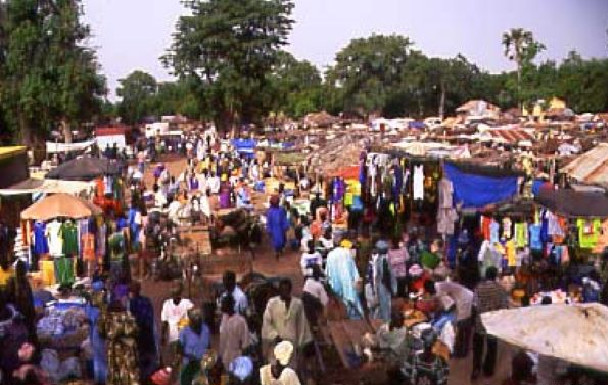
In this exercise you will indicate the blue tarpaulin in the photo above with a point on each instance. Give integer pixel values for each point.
(244, 146)
(476, 191)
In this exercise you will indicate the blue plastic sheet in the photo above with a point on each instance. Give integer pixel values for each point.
(476, 191)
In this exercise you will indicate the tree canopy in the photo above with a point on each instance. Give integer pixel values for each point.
(49, 78)
(228, 49)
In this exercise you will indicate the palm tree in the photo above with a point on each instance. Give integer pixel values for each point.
(521, 48)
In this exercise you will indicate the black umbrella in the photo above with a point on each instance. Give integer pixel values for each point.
(85, 169)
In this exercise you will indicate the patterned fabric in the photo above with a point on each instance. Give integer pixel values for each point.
(489, 296)
(420, 372)
(120, 332)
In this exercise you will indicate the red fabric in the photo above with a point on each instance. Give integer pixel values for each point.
(485, 227)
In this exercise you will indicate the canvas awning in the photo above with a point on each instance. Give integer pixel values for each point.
(84, 169)
(573, 203)
(574, 333)
(35, 186)
(60, 205)
(590, 167)
(67, 147)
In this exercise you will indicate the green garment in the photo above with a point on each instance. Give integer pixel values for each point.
(117, 242)
(189, 372)
(429, 260)
(588, 232)
(521, 235)
(64, 271)
(69, 232)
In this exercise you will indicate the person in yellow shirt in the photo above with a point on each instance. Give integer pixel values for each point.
(6, 272)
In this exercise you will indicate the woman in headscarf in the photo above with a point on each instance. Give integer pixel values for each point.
(225, 191)
(142, 310)
(279, 372)
(277, 225)
(19, 293)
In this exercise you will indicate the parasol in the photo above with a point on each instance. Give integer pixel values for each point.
(574, 333)
(84, 169)
(60, 205)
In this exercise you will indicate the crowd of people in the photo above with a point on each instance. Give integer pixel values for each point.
(363, 268)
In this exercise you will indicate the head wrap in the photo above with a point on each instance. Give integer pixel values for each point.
(382, 246)
(283, 351)
(241, 367)
(97, 286)
(416, 270)
(346, 244)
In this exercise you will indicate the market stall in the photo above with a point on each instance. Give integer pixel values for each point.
(61, 234)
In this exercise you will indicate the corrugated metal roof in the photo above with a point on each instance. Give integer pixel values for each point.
(511, 135)
(590, 167)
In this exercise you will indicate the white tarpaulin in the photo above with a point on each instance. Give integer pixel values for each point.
(52, 148)
(574, 333)
(33, 186)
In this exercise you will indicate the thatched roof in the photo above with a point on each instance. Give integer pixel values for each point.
(321, 119)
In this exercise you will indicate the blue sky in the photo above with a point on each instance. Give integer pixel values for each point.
(133, 34)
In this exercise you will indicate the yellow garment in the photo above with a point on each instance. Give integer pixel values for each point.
(588, 232)
(47, 269)
(353, 187)
(348, 199)
(5, 275)
(511, 253)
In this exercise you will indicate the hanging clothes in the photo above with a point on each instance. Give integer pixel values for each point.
(511, 253)
(64, 271)
(446, 214)
(54, 239)
(494, 232)
(419, 182)
(588, 232)
(69, 232)
(521, 234)
(507, 225)
(41, 245)
(534, 237)
(485, 227)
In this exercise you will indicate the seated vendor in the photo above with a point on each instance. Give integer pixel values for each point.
(40, 294)
(445, 314)
(428, 303)
(393, 337)
(427, 367)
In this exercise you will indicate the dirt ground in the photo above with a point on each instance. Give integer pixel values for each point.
(288, 266)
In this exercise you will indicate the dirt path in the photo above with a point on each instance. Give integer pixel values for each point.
(288, 266)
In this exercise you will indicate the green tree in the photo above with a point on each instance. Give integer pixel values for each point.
(49, 77)
(229, 48)
(521, 47)
(368, 70)
(583, 83)
(450, 79)
(137, 91)
(296, 86)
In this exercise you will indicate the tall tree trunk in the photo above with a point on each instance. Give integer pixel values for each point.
(67, 131)
(519, 101)
(441, 102)
(29, 137)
